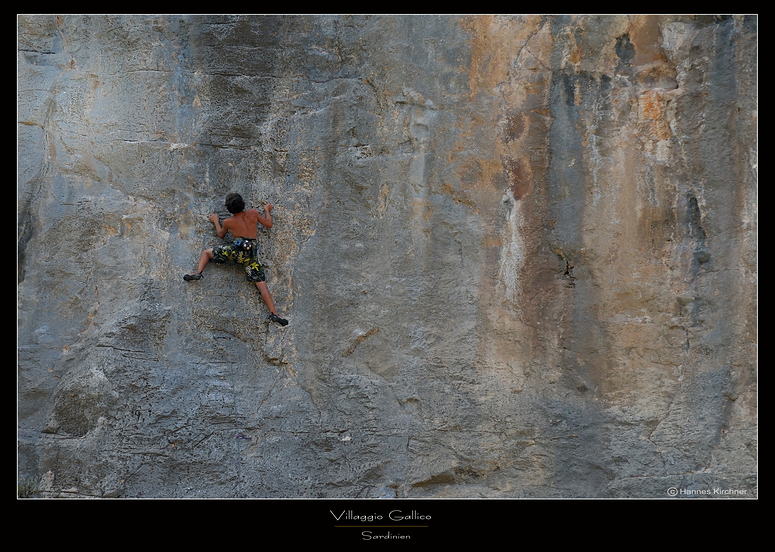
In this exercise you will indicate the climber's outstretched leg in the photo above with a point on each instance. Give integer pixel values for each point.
(267, 297)
(204, 258)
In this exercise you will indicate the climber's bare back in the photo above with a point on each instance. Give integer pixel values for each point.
(244, 224)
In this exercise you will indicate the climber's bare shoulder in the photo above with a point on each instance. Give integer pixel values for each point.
(266, 219)
(252, 219)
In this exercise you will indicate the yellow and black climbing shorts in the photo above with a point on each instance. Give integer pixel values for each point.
(242, 251)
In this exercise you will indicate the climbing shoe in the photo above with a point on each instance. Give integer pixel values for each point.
(190, 277)
(277, 320)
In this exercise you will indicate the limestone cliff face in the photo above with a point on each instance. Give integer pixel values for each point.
(518, 255)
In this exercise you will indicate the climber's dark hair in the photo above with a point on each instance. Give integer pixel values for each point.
(234, 203)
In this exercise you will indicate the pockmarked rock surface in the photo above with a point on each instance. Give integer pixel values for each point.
(518, 255)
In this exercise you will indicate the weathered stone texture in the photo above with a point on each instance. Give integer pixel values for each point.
(518, 255)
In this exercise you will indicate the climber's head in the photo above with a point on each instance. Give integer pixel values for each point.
(234, 203)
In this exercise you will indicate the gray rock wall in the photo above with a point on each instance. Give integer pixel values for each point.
(518, 256)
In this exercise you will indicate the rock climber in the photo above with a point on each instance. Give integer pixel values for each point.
(243, 225)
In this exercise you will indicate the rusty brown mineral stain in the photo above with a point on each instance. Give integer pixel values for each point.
(358, 340)
(518, 176)
(653, 108)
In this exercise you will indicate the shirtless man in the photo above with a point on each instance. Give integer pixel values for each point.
(243, 226)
